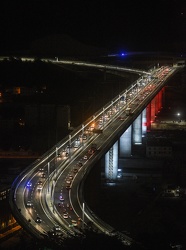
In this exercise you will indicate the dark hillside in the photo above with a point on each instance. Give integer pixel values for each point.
(83, 90)
(63, 45)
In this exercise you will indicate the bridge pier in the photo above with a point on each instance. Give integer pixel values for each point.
(111, 162)
(132, 136)
(144, 122)
(137, 130)
(125, 143)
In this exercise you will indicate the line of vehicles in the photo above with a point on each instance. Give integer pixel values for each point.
(59, 160)
(94, 128)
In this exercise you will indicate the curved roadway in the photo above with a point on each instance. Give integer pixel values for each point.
(48, 195)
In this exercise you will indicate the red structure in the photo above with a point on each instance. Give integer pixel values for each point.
(154, 107)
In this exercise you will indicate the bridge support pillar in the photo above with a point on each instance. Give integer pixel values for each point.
(111, 163)
(137, 130)
(157, 101)
(144, 122)
(153, 109)
(148, 115)
(125, 143)
(161, 98)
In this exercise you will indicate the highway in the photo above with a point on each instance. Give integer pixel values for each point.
(49, 192)
(59, 62)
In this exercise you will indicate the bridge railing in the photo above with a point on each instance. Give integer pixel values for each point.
(120, 100)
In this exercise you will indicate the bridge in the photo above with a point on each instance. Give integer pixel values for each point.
(48, 195)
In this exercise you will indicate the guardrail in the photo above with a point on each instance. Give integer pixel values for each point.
(119, 103)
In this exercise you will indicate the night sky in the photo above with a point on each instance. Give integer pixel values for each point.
(132, 25)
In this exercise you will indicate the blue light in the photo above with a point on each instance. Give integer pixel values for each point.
(123, 54)
(120, 54)
(29, 184)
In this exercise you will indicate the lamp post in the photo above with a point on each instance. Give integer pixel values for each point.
(48, 170)
(178, 114)
(83, 215)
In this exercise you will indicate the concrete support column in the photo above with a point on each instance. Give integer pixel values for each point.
(162, 96)
(144, 122)
(148, 115)
(125, 142)
(137, 130)
(153, 105)
(157, 100)
(111, 163)
(160, 100)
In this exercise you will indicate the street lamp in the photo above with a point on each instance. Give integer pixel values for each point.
(178, 114)
(83, 215)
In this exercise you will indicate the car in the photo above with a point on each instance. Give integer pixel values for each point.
(68, 181)
(43, 175)
(94, 148)
(64, 210)
(70, 177)
(68, 187)
(41, 169)
(90, 151)
(97, 131)
(39, 187)
(85, 157)
(56, 228)
(65, 215)
(29, 184)
(121, 118)
(63, 153)
(61, 198)
(38, 219)
(52, 232)
(59, 155)
(80, 164)
(75, 170)
(39, 183)
(29, 204)
(74, 223)
(84, 137)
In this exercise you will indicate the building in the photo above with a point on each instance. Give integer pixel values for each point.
(47, 116)
(4, 191)
(158, 148)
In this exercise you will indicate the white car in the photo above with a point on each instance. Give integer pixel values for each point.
(74, 223)
(57, 228)
(65, 215)
(61, 198)
(39, 187)
(29, 204)
(85, 157)
(68, 181)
